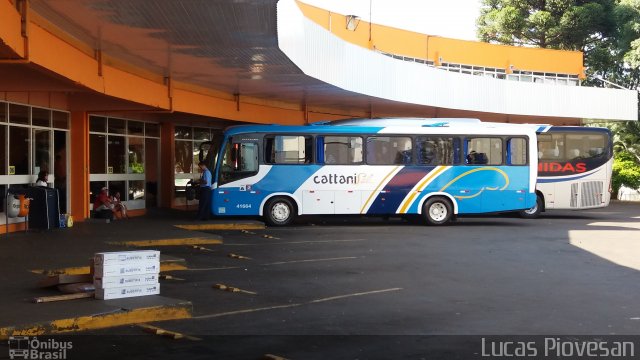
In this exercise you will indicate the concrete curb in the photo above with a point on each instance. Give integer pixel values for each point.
(179, 310)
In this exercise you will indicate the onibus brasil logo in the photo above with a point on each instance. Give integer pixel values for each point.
(30, 347)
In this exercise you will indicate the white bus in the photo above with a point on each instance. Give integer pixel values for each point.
(574, 169)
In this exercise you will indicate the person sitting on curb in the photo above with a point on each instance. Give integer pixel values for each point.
(103, 202)
(42, 179)
(119, 207)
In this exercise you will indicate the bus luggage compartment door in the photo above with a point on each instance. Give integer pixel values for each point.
(318, 202)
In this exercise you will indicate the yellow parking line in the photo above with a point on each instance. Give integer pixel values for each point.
(223, 226)
(166, 333)
(170, 242)
(295, 242)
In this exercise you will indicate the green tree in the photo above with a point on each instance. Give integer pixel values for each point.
(556, 24)
(626, 171)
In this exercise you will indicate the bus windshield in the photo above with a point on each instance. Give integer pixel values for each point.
(239, 160)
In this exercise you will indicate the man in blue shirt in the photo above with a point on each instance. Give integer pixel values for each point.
(204, 206)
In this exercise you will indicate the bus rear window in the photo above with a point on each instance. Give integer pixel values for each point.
(484, 151)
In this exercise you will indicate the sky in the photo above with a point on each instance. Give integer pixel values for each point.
(449, 18)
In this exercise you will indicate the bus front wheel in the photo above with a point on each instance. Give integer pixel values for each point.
(535, 211)
(279, 211)
(437, 211)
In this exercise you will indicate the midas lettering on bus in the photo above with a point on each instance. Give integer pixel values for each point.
(560, 168)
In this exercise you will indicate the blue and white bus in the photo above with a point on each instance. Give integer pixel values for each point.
(435, 170)
(574, 169)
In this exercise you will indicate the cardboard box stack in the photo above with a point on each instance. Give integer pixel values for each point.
(126, 274)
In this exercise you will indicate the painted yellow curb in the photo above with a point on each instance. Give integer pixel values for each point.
(170, 242)
(224, 226)
(83, 323)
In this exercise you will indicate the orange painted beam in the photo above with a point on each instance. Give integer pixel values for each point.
(79, 166)
(190, 102)
(10, 28)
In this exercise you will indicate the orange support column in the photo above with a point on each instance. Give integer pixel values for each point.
(79, 165)
(167, 164)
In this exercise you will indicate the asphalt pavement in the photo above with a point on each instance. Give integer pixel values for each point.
(373, 288)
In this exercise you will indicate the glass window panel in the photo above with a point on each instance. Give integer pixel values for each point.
(434, 150)
(18, 150)
(97, 124)
(18, 114)
(551, 146)
(384, 150)
(342, 150)
(135, 128)
(3, 148)
(183, 132)
(240, 161)
(184, 157)
(484, 151)
(3, 112)
(40, 117)
(117, 187)
(94, 189)
(201, 134)
(116, 126)
(60, 119)
(288, 150)
(41, 151)
(116, 154)
(136, 155)
(585, 146)
(517, 151)
(152, 129)
(98, 160)
(136, 190)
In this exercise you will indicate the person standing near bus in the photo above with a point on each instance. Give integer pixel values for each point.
(204, 206)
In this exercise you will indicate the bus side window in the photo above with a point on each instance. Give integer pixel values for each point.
(288, 149)
(435, 150)
(517, 151)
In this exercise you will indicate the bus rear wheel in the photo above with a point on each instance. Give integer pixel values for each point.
(279, 211)
(437, 211)
(535, 211)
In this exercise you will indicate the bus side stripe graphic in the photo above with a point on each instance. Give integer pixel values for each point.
(380, 185)
(414, 193)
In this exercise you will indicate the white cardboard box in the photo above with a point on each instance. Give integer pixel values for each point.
(127, 280)
(126, 257)
(139, 268)
(127, 291)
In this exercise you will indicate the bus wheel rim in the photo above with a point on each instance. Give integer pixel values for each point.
(438, 211)
(280, 212)
(532, 210)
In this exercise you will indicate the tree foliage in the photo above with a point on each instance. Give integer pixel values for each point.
(556, 24)
(626, 171)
